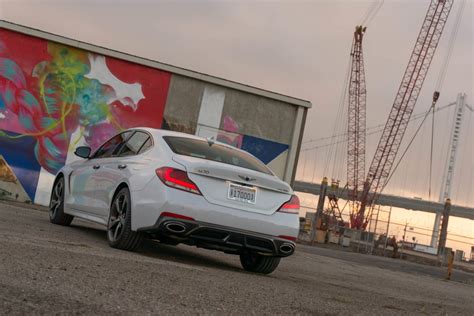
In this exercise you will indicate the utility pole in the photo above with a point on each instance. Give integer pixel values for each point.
(403, 239)
(451, 162)
(444, 228)
(319, 209)
(388, 226)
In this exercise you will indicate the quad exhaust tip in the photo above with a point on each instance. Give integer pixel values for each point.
(287, 248)
(175, 227)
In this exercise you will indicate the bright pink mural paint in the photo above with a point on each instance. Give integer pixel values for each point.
(50, 91)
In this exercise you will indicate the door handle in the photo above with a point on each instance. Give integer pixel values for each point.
(122, 166)
(96, 166)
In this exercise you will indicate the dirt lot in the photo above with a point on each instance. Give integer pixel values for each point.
(46, 268)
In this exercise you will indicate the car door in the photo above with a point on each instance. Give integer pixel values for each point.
(97, 162)
(117, 169)
(81, 186)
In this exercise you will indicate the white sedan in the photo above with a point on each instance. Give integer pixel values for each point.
(179, 188)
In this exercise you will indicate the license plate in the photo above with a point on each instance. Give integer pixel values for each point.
(242, 194)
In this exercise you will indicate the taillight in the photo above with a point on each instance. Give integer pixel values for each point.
(177, 179)
(292, 206)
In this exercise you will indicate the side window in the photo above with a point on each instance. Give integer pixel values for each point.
(134, 144)
(146, 145)
(112, 146)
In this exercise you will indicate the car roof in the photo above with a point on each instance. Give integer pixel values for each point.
(158, 133)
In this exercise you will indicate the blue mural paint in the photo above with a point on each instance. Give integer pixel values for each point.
(26, 121)
(19, 155)
(265, 150)
(28, 99)
(9, 96)
(3, 105)
(11, 71)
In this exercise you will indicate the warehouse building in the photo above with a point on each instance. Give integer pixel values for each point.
(57, 93)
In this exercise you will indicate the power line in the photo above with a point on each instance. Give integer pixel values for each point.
(452, 40)
(376, 129)
(414, 117)
(431, 151)
(408, 147)
(374, 13)
(368, 12)
(339, 115)
(371, 12)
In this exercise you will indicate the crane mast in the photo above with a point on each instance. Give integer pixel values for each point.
(404, 104)
(356, 125)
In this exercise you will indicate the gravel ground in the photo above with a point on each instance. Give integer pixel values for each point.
(45, 268)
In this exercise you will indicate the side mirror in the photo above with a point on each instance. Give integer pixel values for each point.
(83, 151)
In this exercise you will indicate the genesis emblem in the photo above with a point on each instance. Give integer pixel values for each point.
(246, 178)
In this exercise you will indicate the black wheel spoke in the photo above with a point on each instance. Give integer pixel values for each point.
(117, 229)
(113, 221)
(124, 207)
(117, 205)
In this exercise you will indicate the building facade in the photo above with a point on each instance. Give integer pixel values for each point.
(57, 93)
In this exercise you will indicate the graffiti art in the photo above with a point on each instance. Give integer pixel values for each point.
(57, 95)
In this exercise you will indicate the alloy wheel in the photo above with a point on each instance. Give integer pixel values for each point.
(118, 215)
(56, 198)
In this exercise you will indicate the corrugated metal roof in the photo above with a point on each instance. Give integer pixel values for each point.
(153, 64)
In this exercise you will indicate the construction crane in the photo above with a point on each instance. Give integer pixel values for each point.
(405, 100)
(356, 125)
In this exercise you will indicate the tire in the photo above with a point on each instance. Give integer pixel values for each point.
(119, 226)
(56, 205)
(260, 264)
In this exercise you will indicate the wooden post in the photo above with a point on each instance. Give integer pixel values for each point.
(450, 265)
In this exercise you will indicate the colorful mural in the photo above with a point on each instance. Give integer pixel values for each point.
(48, 92)
(10, 187)
(55, 97)
(6, 174)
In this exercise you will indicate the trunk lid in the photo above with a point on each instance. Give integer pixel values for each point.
(215, 180)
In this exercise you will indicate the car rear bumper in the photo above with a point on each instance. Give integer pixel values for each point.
(217, 237)
(156, 198)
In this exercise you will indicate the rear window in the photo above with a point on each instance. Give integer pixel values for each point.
(215, 152)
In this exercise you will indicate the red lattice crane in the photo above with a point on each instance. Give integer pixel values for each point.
(408, 92)
(356, 125)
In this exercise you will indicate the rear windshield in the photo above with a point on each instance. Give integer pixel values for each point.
(215, 152)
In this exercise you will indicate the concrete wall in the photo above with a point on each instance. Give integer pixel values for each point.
(55, 97)
(259, 125)
(261, 117)
(183, 104)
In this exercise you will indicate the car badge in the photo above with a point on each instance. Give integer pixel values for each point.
(205, 171)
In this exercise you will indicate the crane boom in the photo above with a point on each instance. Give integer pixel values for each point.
(404, 103)
(356, 125)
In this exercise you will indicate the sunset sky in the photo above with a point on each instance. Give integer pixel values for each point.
(299, 48)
